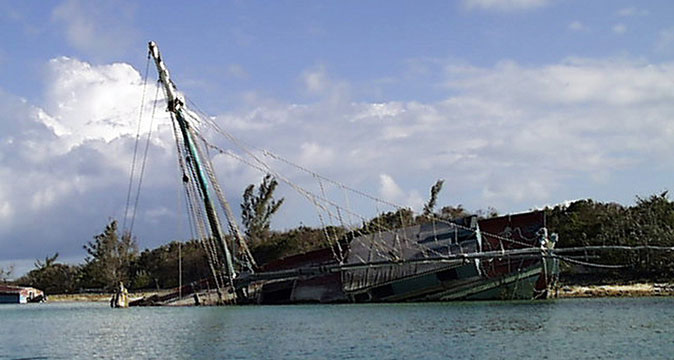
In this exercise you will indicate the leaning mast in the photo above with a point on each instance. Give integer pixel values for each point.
(176, 105)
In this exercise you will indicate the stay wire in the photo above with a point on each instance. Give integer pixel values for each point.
(272, 155)
(313, 198)
(243, 146)
(135, 146)
(144, 162)
(194, 217)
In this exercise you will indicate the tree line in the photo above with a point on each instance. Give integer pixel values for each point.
(649, 222)
(113, 256)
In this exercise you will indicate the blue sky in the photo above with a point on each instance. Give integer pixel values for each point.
(515, 103)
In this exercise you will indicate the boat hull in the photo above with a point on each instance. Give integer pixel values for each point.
(501, 277)
(448, 283)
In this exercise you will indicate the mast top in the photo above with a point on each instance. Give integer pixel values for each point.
(175, 99)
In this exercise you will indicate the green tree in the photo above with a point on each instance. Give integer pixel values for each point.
(258, 207)
(52, 277)
(430, 205)
(110, 258)
(5, 273)
(292, 242)
(453, 212)
(158, 268)
(389, 220)
(651, 222)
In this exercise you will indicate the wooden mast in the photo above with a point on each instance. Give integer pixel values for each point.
(176, 105)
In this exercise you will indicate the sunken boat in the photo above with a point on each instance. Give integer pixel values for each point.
(500, 258)
(471, 258)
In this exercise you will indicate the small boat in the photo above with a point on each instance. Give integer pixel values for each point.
(20, 295)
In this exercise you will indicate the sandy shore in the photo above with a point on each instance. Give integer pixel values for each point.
(630, 290)
(566, 291)
(99, 297)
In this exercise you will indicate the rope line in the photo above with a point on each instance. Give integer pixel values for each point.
(245, 147)
(195, 218)
(135, 146)
(144, 162)
(321, 203)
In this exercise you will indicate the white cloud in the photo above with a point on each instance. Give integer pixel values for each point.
(512, 134)
(574, 81)
(317, 83)
(67, 163)
(237, 71)
(619, 28)
(315, 155)
(505, 5)
(577, 26)
(389, 190)
(665, 41)
(315, 80)
(509, 136)
(631, 11)
(86, 102)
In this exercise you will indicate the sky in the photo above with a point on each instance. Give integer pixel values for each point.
(516, 104)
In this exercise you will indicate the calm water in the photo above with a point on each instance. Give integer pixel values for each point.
(560, 329)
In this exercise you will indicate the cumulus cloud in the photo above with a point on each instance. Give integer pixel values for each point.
(86, 102)
(505, 5)
(67, 162)
(509, 135)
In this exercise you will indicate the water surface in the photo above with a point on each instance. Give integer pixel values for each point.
(556, 329)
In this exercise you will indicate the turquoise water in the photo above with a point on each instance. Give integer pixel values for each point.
(637, 328)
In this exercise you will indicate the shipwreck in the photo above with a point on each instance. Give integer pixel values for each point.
(507, 257)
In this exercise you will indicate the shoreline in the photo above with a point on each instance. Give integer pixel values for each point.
(98, 297)
(562, 292)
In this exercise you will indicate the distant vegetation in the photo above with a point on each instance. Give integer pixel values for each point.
(649, 222)
(114, 257)
(6, 273)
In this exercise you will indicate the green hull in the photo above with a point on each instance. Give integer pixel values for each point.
(464, 282)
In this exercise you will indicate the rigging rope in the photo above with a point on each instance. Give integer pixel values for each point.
(229, 214)
(245, 148)
(313, 198)
(589, 264)
(318, 200)
(142, 168)
(194, 216)
(135, 146)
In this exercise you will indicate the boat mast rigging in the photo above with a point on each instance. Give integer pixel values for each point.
(176, 105)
